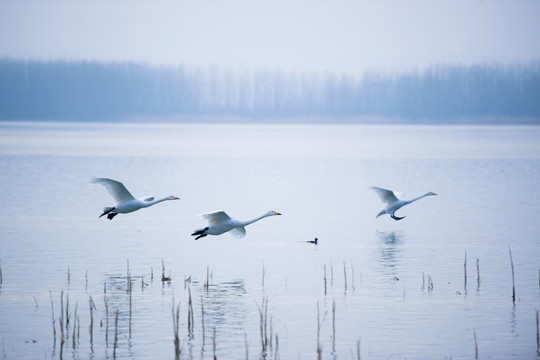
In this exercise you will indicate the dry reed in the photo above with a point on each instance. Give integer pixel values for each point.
(53, 321)
(263, 326)
(176, 322)
(475, 345)
(465, 271)
(214, 344)
(115, 333)
(513, 282)
(477, 274)
(91, 327)
(324, 279)
(319, 326)
(345, 274)
(537, 335)
(190, 316)
(106, 301)
(73, 337)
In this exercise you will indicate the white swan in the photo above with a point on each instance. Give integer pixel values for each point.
(125, 202)
(219, 222)
(393, 203)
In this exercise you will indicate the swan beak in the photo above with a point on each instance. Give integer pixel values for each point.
(276, 213)
(175, 198)
(433, 193)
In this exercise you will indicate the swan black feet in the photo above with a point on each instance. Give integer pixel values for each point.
(109, 212)
(397, 217)
(200, 233)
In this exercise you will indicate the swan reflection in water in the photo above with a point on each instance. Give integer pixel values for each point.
(390, 246)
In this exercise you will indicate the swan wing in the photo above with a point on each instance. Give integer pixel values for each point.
(386, 196)
(216, 217)
(117, 190)
(238, 232)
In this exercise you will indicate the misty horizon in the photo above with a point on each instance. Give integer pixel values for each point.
(83, 90)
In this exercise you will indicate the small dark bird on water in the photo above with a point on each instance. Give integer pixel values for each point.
(313, 241)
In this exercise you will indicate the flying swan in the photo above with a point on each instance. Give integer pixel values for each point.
(219, 222)
(125, 202)
(393, 203)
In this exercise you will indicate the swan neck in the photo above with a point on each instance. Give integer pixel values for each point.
(417, 198)
(254, 220)
(150, 203)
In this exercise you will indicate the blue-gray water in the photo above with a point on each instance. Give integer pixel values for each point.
(378, 271)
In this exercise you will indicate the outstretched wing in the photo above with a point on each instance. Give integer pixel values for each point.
(216, 217)
(117, 190)
(238, 232)
(386, 196)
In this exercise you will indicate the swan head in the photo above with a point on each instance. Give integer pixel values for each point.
(172, 197)
(272, 213)
(431, 193)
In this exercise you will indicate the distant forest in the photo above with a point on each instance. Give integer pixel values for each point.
(96, 91)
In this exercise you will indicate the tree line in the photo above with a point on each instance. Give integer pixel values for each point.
(97, 90)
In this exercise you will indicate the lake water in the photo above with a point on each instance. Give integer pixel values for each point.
(371, 289)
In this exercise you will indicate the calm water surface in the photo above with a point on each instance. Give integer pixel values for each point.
(372, 288)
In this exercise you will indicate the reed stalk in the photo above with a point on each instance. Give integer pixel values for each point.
(91, 327)
(513, 282)
(537, 335)
(331, 274)
(67, 312)
(74, 327)
(190, 319)
(176, 322)
(276, 351)
(1, 279)
(352, 276)
(53, 321)
(207, 284)
(334, 326)
(115, 333)
(324, 279)
(202, 323)
(263, 326)
(61, 319)
(477, 274)
(345, 274)
(163, 277)
(475, 345)
(465, 271)
(247, 346)
(106, 301)
(263, 273)
(319, 326)
(214, 344)
(130, 289)
(68, 276)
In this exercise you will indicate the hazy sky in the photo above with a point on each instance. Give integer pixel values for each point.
(341, 36)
